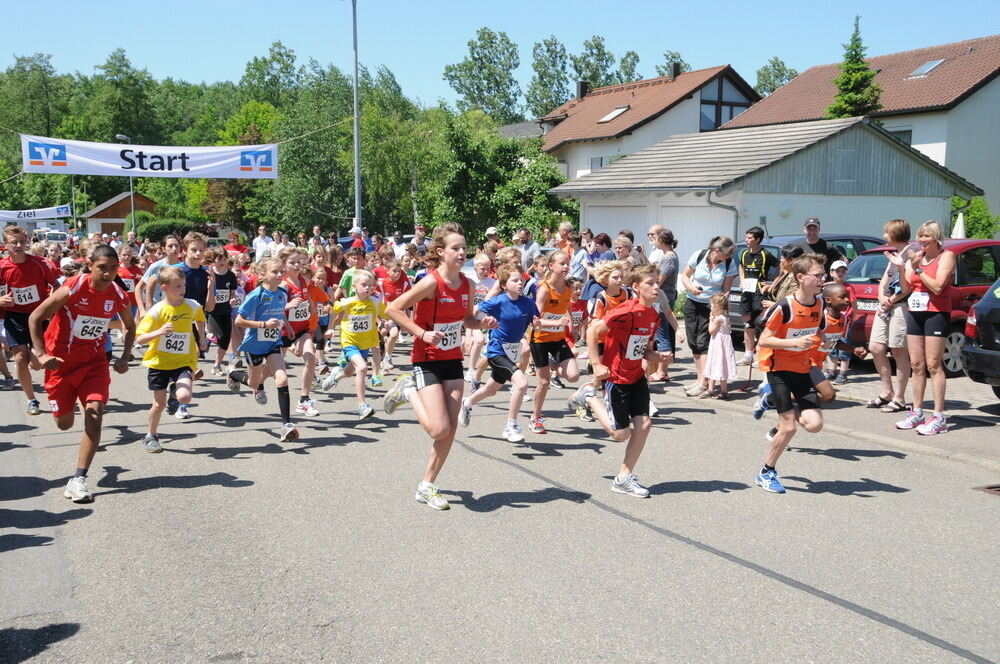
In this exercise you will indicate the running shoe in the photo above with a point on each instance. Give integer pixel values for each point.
(537, 425)
(512, 433)
(653, 410)
(465, 413)
(232, 383)
(288, 433)
(585, 414)
(331, 380)
(172, 403)
(307, 408)
(630, 486)
(182, 412)
(396, 397)
(933, 426)
(474, 384)
(579, 398)
(151, 443)
(77, 491)
(364, 411)
(260, 396)
(7, 383)
(744, 361)
(377, 380)
(198, 375)
(34, 408)
(217, 370)
(762, 403)
(912, 421)
(430, 496)
(694, 390)
(769, 482)
(557, 381)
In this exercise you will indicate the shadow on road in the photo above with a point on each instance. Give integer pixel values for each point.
(21, 541)
(19, 645)
(25, 519)
(517, 499)
(553, 449)
(15, 428)
(112, 480)
(301, 446)
(19, 487)
(864, 488)
(695, 486)
(850, 455)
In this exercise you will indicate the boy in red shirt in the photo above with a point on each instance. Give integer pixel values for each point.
(628, 330)
(73, 355)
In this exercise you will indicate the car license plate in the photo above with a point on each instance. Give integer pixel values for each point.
(867, 305)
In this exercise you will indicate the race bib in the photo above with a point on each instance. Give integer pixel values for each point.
(129, 285)
(748, 285)
(830, 340)
(269, 334)
(299, 313)
(89, 328)
(918, 301)
(25, 295)
(577, 316)
(222, 296)
(636, 347)
(360, 323)
(3, 289)
(451, 334)
(796, 333)
(176, 343)
(238, 296)
(512, 351)
(479, 297)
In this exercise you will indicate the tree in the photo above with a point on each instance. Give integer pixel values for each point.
(668, 58)
(273, 79)
(857, 92)
(978, 221)
(772, 76)
(485, 78)
(628, 68)
(595, 64)
(549, 87)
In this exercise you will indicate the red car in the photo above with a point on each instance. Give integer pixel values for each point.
(977, 268)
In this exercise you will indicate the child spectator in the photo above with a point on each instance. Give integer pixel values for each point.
(720, 365)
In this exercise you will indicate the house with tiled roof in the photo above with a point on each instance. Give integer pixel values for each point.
(942, 100)
(600, 125)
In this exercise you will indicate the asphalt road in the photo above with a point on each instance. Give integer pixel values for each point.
(231, 547)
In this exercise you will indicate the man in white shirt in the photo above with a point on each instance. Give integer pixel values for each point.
(261, 244)
(529, 248)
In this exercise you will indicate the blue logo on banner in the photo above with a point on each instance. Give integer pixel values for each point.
(62, 209)
(256, 160)
(46, 154)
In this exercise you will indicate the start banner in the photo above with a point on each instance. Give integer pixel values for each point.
(53, 155)
(40, 213)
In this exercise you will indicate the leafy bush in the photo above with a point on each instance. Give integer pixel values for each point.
(157, 229)
(979, 222)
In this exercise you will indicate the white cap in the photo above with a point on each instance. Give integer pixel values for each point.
(66, 261)
(355, 230)
(492, 230)
(837, 265)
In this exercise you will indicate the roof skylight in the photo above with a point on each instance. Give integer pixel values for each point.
(614, 114)
(924, 69)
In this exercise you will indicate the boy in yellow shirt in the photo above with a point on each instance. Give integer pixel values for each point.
(358, 336)
(172, 357)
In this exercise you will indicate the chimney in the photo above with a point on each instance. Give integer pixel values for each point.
(674, 71)
(582, 88)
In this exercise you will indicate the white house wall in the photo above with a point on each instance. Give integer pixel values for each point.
(974, 141)
(929, 133)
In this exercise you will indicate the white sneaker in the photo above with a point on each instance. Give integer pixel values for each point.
(77, 491)
(260, 396)
(232, 383)
(745, 361)
(332, 379)
(182, 412)
(217, 370)
(364, 411)
(430, 496)
(307, 408)
(653, 410)
(512, 433)
(465, 413)
(288, 433)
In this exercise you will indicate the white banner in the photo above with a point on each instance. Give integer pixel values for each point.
(40, 213)
(53, 155)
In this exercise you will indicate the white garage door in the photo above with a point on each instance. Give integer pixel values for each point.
(613, 218)
(693, 227)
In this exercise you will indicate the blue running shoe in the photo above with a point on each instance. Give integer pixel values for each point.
(762, 403)
(769, 482)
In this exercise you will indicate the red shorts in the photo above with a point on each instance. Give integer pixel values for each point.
(77, 382)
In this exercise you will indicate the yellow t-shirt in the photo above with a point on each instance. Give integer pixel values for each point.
(178, 349)
(359, 327)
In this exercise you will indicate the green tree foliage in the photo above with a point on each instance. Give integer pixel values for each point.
(550, 86)
(668, 58)
(628, 68)
(595, 64)
(857, 92)
(772, 76)
(274, 79)
(485, 78)
(978, 220)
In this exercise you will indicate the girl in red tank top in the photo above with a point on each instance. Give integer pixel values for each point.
(442, 303)
(299, 312)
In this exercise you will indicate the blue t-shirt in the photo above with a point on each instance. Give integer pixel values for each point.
(710, 280)
(262, 304)
(196, 279)
(513, 318)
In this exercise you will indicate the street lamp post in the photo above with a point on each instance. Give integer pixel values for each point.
(131, 191)
(357, 123)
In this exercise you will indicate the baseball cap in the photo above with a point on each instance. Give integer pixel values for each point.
(492, 230)
(355, 230)
(838, 264)
(811, 221)
(421, 227)
(66, 261)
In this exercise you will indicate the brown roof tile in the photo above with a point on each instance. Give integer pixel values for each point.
(647, 99)
(967, 66)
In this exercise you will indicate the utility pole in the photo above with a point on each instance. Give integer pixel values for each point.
(357, 123)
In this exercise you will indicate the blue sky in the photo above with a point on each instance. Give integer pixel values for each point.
(212, 40)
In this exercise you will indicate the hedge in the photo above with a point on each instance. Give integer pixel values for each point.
(160, 228)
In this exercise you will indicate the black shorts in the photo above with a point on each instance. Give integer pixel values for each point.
(255, 360)
(790, 389)
(16, 325)
(160, 379)
(437, 372)
(696, 315)
(927, 323)
(626, 401)
(286, 342)
(221, 326)
(501, 368)
(751, 304)
(542, 350)
(319, 334)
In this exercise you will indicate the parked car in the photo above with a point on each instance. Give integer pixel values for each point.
(848, 245)
(976, 270)
(981, 355)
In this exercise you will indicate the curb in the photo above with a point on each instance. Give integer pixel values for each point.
(878, 439)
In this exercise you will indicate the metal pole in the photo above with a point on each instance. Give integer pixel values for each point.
(357, 123)
(131, 200)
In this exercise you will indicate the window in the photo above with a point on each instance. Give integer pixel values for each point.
(869, 244)
(905, 136)
(846, 247)
(613, 114)
(721, 101)
(924, 69)
(978, 267)
(597, 163)
(708, 117)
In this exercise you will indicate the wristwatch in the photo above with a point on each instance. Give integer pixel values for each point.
(918, 270)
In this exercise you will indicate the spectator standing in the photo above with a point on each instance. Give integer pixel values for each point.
(317, 233)
(578, 257)
(814, 244)
(420, 239)
(492, 235)
(756, 265)
(668, 263)
(889, 325)
(261, 244)
(234, 247)
(562, 240)
(529, 248)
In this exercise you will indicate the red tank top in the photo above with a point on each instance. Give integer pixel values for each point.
(922, 299)
(298, 317)
(445, 311)
(76, 332)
